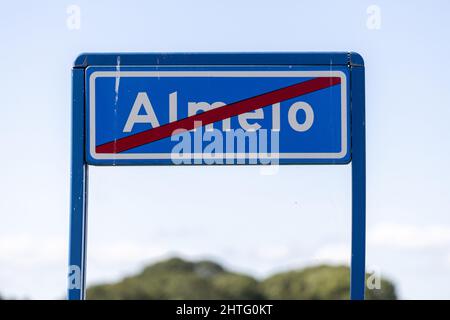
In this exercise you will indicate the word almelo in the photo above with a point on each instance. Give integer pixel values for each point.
(142, 101)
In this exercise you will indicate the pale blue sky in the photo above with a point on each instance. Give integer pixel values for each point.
(299, 216)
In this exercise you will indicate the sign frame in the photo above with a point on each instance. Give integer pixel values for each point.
(79, 164)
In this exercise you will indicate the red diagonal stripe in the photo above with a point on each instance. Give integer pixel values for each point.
(218, 114)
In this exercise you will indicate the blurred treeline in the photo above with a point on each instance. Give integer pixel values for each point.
(179, 279)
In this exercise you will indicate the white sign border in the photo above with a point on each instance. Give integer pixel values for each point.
(219, 74)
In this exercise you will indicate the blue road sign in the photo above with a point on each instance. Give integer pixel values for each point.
(150, 115)
(210, 108)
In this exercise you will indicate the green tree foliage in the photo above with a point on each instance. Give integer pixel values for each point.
(179, 279)
(320, 282)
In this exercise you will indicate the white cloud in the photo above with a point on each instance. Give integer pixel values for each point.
(333, 254)
(33, 266)
(125, 251)
(24, 250)
(272, 252)
(403, 236)
(111, 261)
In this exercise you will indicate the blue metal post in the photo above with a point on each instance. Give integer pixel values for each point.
(358, 124)
(78, 194)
